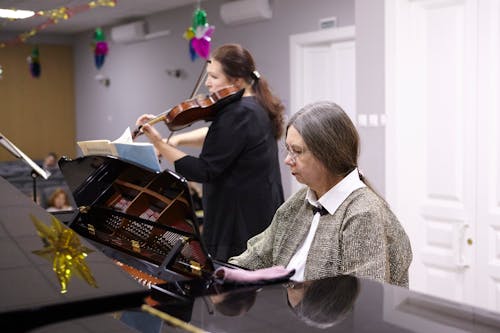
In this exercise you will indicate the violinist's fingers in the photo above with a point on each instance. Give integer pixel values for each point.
(144, 118)
(152, 134)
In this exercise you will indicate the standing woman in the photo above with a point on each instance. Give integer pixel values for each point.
(238, 164)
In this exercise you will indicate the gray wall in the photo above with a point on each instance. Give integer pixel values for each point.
(139, 83)
(370, 86)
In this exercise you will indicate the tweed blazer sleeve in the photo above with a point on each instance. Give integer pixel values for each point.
(373, 243)
(363, 245)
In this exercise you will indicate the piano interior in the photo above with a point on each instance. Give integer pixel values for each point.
(139, 217)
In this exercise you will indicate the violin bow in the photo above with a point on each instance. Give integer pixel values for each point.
(197, 86)
(202, 76)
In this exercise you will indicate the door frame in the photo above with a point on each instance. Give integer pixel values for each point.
(297, 43)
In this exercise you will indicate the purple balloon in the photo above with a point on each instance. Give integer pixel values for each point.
(35, 69)
(101, 48)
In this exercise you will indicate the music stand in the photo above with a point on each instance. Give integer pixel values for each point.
(17, 153)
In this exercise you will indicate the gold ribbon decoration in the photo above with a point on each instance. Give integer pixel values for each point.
(64, 249)
(54, 16)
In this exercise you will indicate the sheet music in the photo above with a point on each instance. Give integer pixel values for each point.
(142, 153)
(126, 137)
(19, 154)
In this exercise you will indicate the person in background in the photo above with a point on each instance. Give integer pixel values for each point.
(238, 164)
(336, 224)
(50, 162)
(58, 201)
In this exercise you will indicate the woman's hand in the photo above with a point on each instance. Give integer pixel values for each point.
(152, 134)
(144, 119)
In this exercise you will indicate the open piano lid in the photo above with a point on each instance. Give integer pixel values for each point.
(142, 218)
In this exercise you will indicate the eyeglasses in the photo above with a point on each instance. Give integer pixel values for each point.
(293, 152)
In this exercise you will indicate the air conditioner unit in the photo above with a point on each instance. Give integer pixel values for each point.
(128, 33)
(245, 11)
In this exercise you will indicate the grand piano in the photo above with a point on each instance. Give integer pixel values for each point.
(143, 267)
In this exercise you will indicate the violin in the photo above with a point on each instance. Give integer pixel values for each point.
(189, 111)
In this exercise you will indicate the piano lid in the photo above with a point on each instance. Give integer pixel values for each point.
(30, 288)
(142, 218)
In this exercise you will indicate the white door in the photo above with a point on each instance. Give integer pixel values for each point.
(487, 241)
(322, 67)
(437, 121)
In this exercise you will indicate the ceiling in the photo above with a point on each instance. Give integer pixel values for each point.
(87, 19)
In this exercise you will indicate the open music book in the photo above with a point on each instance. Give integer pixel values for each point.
(141, 153)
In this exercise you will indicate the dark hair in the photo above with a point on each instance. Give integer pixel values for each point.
(327, 302)
(52, 154)
(237, 62)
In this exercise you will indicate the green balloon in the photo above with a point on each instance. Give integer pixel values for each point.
(35, 53)
(199, 18)
(99, 35)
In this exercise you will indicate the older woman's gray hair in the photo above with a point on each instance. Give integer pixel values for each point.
(329, 134)
(327, 302)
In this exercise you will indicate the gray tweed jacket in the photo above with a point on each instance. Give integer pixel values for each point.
(363, 238)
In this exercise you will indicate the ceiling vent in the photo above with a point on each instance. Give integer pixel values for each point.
(134, 32)
(245, 11)
(128, 33)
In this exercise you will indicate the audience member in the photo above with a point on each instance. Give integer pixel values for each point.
(58, 201)
(50, 162)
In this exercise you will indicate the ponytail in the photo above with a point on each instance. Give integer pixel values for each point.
(271, 103)
(237, 62)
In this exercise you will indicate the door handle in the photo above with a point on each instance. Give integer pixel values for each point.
(461, 259)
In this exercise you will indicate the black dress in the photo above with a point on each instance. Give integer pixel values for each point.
(239, 169)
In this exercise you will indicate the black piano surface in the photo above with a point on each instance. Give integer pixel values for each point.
(31, 298)
(30, 291)
(338, 304)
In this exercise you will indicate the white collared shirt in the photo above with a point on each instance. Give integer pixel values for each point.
(331, 200)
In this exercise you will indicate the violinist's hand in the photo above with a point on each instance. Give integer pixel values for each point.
(152, 134)
(144, 119)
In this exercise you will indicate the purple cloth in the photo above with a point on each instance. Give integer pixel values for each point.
(241, 275)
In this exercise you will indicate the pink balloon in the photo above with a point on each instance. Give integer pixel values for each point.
(201, 46)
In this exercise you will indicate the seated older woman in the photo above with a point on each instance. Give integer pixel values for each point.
(336, 224)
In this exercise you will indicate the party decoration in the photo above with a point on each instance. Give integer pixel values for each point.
(54, 16)
(34, 62)
(63, 248)
(100, 47)
(199, 35)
